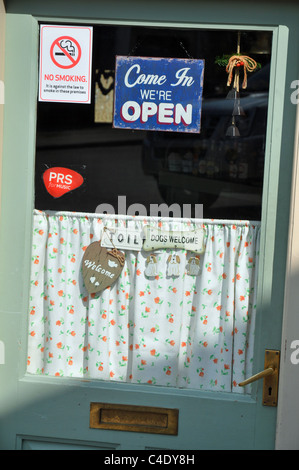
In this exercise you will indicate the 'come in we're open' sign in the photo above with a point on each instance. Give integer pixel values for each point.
(158, 94)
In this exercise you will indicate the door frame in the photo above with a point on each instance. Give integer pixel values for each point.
(2, 52)
(287, 431)
(15, 247)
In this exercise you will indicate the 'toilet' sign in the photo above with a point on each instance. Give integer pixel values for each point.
(158, 94)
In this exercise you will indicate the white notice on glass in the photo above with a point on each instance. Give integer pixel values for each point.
(65, 63)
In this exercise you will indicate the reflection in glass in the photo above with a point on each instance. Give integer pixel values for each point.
(221, 168)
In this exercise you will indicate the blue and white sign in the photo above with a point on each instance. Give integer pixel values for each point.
(158, 94)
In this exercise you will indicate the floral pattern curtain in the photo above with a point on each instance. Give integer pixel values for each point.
(189, 331)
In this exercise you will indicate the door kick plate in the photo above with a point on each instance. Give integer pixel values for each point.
(134, 418)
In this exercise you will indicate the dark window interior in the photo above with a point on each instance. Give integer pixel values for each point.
(220, 171)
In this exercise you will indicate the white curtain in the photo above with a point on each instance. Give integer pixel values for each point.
(193, 332)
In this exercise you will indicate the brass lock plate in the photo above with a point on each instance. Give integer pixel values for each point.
(270, 387)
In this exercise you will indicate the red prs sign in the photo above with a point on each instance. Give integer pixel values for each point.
(59, 181)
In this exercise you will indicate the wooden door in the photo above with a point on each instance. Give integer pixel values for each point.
(54, 412)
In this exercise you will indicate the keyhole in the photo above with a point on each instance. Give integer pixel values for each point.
(270, 391)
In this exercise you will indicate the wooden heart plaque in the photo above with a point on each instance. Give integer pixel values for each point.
(101, 267)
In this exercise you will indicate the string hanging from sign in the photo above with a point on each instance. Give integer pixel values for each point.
(185, 50)
(141, 41)
(115, 252)
(134, 48)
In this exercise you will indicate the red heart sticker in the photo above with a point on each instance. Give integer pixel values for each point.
(59, 181)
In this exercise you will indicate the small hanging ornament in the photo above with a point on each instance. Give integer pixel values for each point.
(234, 65)
(193, 266)
(238, 110)
(101, 267)
(151, 266)
(232, 130)
(233, 69)
(233, 94)
(173, 268)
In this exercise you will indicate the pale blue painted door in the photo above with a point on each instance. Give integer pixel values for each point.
(54, 412)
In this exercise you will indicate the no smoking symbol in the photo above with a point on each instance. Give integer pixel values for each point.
(65, 52)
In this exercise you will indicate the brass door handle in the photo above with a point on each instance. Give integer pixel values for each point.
(264, 373)
(270, 375)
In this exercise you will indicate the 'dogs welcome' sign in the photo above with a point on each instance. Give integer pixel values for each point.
(158, 94)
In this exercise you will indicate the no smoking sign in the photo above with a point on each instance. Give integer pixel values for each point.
(65, 52)
(65, 63)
